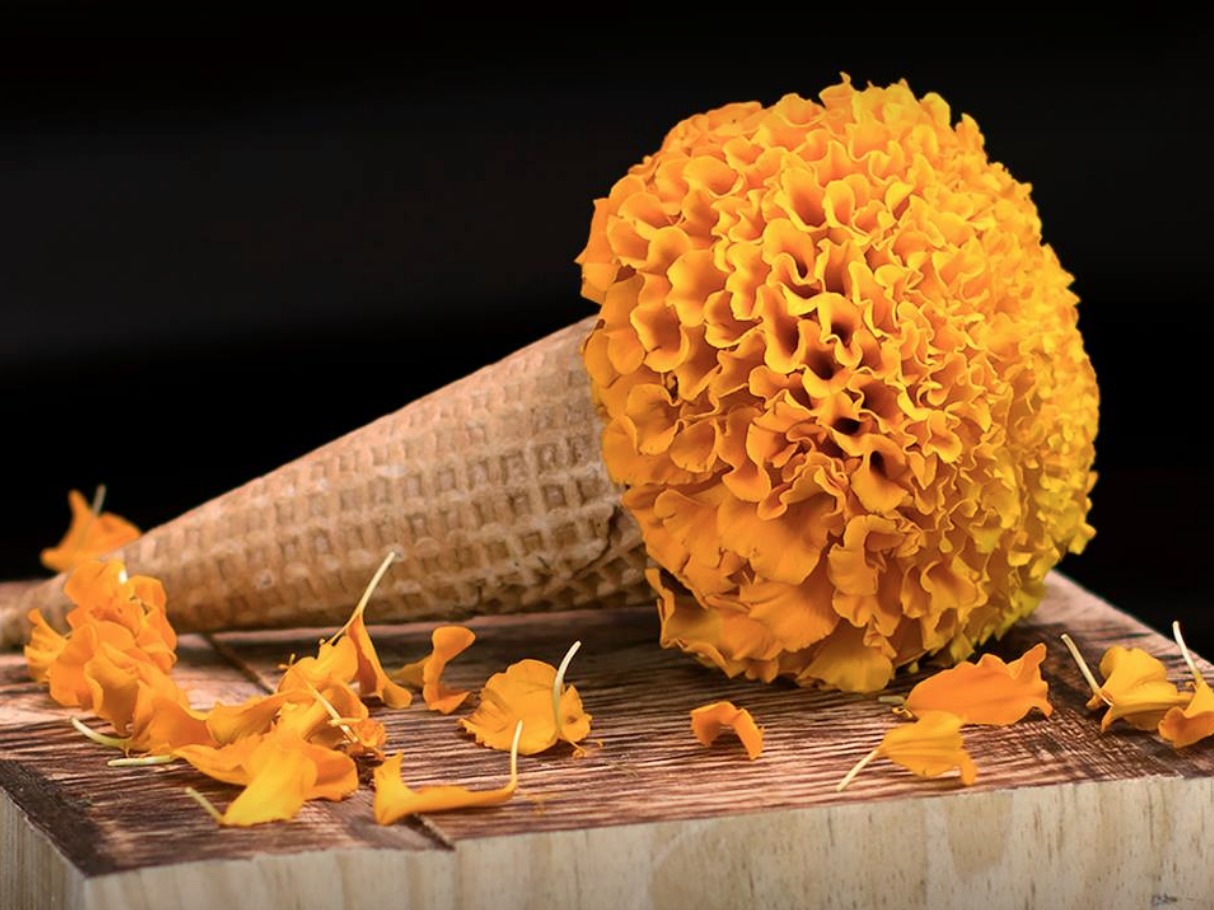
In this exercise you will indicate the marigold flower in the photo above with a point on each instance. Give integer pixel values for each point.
(43, 648)
(447, 642)
(103, 592)
(532, 693)
(988, 692)
(842, 382)
(394, 799)
(929, 747)
(92, 533)
(118, 681)
(708, 721)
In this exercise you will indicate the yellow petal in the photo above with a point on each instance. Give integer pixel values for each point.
(277, 791)
(929, 747)
(280, 772)
(334, 662)
(1136, 689)
(89, 536)
(988, 692)
(446, 643)
(225, 763)
(1183, 727)
(44, 647)
(114, 678)
(523, 693)
(163, 722)
(394, 799)
(708, 721)
(255, 715)
(372, 680)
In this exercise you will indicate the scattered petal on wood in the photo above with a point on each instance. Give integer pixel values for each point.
(709, 721)
(987, 692)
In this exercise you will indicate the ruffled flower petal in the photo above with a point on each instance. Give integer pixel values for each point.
(524, 694)
(92, 534)
(989, 692)
(929, 747)
(1191, 724)
(394, 799)
(447, 642)
(1136, 689)
(709, 721)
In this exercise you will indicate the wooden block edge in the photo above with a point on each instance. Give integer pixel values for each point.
(1128, 843)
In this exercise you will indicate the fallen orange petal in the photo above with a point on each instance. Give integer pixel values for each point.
(989, 692)
(1196, 721)
(92, 533)
(279, 772)
(1185, 726)
(1136, 689)
(394, 799)
(525, 693)
(447, 642)
(44, 646)
(929, 747)
(708, 721)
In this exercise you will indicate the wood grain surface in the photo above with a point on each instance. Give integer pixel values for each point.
(1061, 815)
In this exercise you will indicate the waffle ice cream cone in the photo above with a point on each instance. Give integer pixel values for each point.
(492, 490)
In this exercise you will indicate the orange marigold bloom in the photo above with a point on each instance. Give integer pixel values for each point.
(92, 534)
(117, 620)
(842, 382)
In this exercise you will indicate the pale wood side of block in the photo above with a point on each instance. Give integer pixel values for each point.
(33, 873)
(1095, 846)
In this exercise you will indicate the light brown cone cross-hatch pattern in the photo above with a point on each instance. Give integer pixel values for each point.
(492, 490)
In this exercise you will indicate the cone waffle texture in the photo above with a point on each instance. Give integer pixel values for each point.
(491, 489)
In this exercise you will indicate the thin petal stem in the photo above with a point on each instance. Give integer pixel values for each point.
(856, 769)
(112, 742)
(557, 683)
(1184, 650)
(141, 762)
(1083, 666)
(392, 557)
(205, 803)
(98, 499)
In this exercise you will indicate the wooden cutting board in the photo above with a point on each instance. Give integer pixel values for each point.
(1061, 815)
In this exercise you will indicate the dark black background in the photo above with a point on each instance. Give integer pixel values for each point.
(223, 243)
